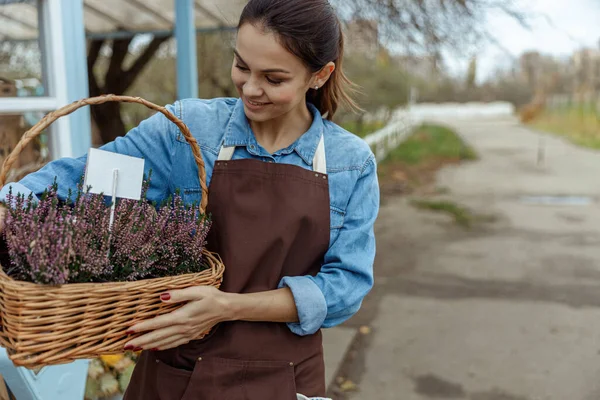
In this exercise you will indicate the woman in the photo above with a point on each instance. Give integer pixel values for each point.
(293, 199)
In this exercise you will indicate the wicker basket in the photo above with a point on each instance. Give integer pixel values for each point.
(46, 324)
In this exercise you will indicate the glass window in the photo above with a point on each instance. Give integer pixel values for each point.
(20, 51)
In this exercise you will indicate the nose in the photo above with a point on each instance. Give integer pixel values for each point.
(252, 88)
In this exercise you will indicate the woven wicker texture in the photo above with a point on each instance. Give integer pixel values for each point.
(46, 325)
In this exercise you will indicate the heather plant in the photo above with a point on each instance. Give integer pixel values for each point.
(58, 242)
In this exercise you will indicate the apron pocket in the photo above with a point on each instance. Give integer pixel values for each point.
(219, 379)
(171, 382)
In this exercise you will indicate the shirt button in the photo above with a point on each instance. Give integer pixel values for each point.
(252, 146)
(199, 358)
(291, 364)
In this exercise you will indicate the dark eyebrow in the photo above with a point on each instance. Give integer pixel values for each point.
(264, 71)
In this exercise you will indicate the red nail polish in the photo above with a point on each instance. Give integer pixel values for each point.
(128, 347)
(155, 349)
(130, 332)
(165, 297)
(137, 349)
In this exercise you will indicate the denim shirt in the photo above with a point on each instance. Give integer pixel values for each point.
(322, 301)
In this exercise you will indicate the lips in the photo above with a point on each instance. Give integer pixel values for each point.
(255, 105)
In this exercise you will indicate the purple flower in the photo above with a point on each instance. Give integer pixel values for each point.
(57, 242)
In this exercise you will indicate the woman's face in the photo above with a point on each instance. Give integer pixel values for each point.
(270, 80)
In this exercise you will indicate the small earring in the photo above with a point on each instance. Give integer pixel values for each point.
(316, 88)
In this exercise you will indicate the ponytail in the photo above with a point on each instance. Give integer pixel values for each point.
(338, 89)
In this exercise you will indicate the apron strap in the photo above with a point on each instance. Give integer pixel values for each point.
(319, 162)
(226, 153)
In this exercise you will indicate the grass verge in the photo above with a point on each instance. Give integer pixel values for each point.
(462, 216)
(431, 142)
(413, 165)
(580, 124)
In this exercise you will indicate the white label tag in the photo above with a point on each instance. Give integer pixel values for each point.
(99, 174)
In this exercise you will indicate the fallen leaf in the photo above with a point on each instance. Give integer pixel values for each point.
(111, 359)
(399, 176)
(348, 386)
(365, 330)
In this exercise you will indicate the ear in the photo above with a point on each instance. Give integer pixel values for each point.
(322, 76)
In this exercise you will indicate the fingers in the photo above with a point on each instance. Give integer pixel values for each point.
(179, 326)
(170, 344)
(188, 294)
(157, 339)
(175, 318)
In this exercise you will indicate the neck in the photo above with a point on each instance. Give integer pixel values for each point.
(281, 132)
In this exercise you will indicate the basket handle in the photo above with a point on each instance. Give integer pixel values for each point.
(68, 109)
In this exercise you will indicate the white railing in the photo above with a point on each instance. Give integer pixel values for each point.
(389, 137)
(405, 119)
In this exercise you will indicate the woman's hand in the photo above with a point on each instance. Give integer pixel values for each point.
(206, 306)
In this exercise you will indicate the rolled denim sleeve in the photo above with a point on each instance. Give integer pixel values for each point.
(335, 294)
(152, 140)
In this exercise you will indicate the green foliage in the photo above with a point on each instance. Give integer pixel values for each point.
(382, 83)
(430, 142)
(125, 377)
(363, 129)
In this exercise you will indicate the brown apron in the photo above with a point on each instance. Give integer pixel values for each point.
(269, 221)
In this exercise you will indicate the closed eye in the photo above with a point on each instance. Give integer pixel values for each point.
(273, 81)
(270, 80)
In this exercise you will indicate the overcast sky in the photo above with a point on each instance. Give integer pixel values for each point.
(558, 27)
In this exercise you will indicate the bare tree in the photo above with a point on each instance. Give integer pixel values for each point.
(472, 74)
(215, 55)
(116, 67)
(117, 79)
(430, 25)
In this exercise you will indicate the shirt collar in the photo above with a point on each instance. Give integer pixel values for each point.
(239, 133)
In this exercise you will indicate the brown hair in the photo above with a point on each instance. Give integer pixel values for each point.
(310, 30)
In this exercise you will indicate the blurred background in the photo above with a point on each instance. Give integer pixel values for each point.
(485, 119)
